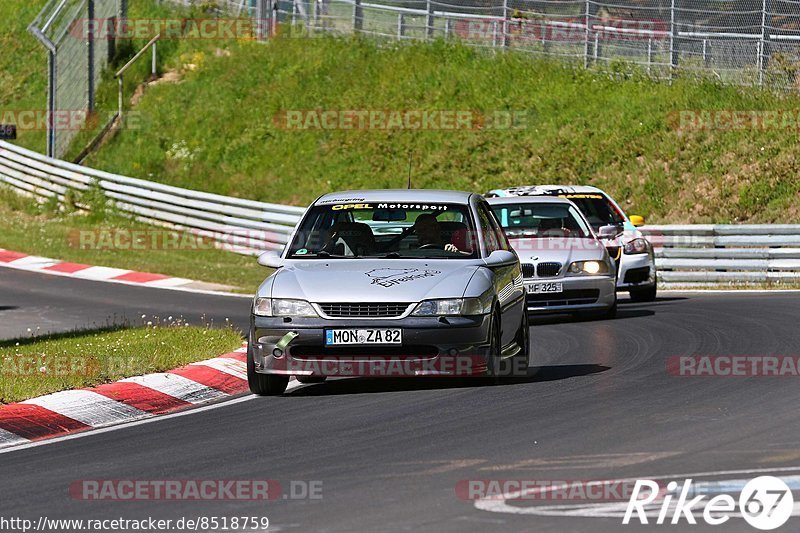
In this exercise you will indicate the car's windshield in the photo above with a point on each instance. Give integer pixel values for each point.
(597, 209)
(387, 230)
(539, 220)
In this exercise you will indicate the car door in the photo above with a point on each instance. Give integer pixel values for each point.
(507, 277)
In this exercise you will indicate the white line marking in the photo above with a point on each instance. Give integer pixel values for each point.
(131, 283)
(88, 407)
(178, 387)
(169, 282)
(292, 385)
(597, 510)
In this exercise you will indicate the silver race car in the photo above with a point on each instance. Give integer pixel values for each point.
(631, 251)
(566, 268)
(390, 283)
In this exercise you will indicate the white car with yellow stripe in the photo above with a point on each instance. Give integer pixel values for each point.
(632, 252)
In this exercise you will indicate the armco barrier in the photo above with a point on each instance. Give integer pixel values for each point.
(685, 254)
(244, 225)
(727, 253)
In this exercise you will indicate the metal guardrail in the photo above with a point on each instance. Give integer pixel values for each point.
(245, 226)
(727, 253)
(685, 254)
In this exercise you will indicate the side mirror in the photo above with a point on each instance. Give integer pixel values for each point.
(608, 232)
(501, 257)
(637, 221)
(270, 258)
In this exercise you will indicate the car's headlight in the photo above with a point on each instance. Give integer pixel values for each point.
(451, 307)
(280, 307)
(589, 267)
(637, 246)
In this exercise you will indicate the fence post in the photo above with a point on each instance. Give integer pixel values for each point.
(430, 21)
(673, 35)
(400, 25)
(90, 48)
(762, 53)
(52, 67)
(358, 16)
(506, 39)
(649, 55)
(262, 20)
(586, 23)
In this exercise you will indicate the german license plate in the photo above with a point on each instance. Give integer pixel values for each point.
(338, 337)
(544, 288)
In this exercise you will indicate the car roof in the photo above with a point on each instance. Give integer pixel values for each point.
(541, 190)
(528, 200)
(396, 195)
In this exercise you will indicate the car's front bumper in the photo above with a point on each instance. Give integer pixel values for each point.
(581, 293)
(636, 272)
(452, 346)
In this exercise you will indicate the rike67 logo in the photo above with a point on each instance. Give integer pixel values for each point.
(765, 503)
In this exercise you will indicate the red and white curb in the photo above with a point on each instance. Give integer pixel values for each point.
(45, 265)
(127, 400)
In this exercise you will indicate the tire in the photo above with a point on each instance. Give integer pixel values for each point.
(522, 359)
(493, 362)
(311, 379)
(647, 294)
(264, 384)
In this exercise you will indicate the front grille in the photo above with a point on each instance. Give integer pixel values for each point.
(548, 270)
(364, 310)
(637, 275)
(528, 270)
(570, 297)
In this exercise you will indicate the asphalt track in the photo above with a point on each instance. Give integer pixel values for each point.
(599, 404)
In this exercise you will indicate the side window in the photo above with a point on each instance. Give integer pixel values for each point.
(487, 228)
(502, 240)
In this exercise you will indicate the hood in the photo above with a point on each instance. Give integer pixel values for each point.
(366, 280)
(558, 250)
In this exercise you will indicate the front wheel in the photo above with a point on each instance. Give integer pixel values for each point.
(264, 384)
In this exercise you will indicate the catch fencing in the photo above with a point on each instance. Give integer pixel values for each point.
(741, 42)
(76, 61)
(685, 255)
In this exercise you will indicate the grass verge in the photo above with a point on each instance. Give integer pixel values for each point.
(37, 366)
(43, 229)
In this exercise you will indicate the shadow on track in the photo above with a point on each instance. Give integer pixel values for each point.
(373, 385)
(563, 318)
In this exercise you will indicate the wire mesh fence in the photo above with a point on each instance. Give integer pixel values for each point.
(76, 60)
(742, 42)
